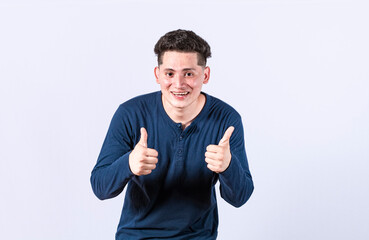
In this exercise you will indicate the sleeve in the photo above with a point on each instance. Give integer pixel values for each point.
(111, 172)
(236, 185)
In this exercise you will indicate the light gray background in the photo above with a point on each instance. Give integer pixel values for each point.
(297, 72)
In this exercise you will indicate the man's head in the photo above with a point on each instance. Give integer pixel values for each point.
(183, 41)
(182, 71)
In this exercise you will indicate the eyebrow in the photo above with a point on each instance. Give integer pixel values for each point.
(184, 69)
(188, 69)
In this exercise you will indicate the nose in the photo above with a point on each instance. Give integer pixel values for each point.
(178, 81)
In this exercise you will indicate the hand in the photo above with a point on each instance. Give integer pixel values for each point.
(143, 160)
(219, 156)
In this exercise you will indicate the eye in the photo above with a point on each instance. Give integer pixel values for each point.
(188, 74)
(169, 74)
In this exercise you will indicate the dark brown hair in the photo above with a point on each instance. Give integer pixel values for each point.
(183, 41)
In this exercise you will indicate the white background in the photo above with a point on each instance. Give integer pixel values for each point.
(297, 72)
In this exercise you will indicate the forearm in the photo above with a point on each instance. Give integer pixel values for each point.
(109, 180)
(236, 185)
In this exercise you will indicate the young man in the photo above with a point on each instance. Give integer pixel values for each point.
(171, 147)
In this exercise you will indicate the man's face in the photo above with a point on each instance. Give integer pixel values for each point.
(181, 80)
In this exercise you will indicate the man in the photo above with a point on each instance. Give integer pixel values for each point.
(171, 147)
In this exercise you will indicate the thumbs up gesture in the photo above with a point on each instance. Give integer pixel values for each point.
(142, 159)
(218, 157)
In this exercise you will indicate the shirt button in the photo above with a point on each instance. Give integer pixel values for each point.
(179, 125)
(179, 151)
(180, 138)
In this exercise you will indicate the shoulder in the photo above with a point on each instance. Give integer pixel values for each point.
(137, 108)
(141, 100)
(221, 109)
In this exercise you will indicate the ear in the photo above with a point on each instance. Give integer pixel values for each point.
(206, 75)
(156, 73)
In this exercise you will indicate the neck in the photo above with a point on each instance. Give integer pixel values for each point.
(185, 115)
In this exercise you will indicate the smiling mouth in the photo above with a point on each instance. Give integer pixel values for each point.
(180, 94)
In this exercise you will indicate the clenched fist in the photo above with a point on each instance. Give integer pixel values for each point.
(142, 159)
(219, 156)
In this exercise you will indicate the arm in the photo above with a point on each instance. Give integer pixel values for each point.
(111, 172)
(236, 185)
(228, 159)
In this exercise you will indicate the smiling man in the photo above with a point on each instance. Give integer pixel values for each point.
(171, 147)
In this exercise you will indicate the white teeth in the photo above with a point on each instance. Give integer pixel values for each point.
(182, 94)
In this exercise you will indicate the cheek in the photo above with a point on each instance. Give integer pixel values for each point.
(165, 83)
(195, 83)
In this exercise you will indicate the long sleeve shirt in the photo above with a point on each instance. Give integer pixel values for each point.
(177, 200)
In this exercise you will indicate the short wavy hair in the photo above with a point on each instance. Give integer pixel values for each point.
(183, 41)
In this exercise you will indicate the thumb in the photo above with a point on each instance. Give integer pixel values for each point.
(227, 135)
(143, 139)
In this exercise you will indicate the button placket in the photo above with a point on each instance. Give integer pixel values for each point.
(180, 150)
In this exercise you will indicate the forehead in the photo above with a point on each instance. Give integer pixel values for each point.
(180, 59)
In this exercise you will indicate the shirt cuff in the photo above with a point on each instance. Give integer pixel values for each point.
(232, 168)
(123, 166)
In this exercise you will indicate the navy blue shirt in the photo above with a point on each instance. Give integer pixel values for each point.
(177, 200)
